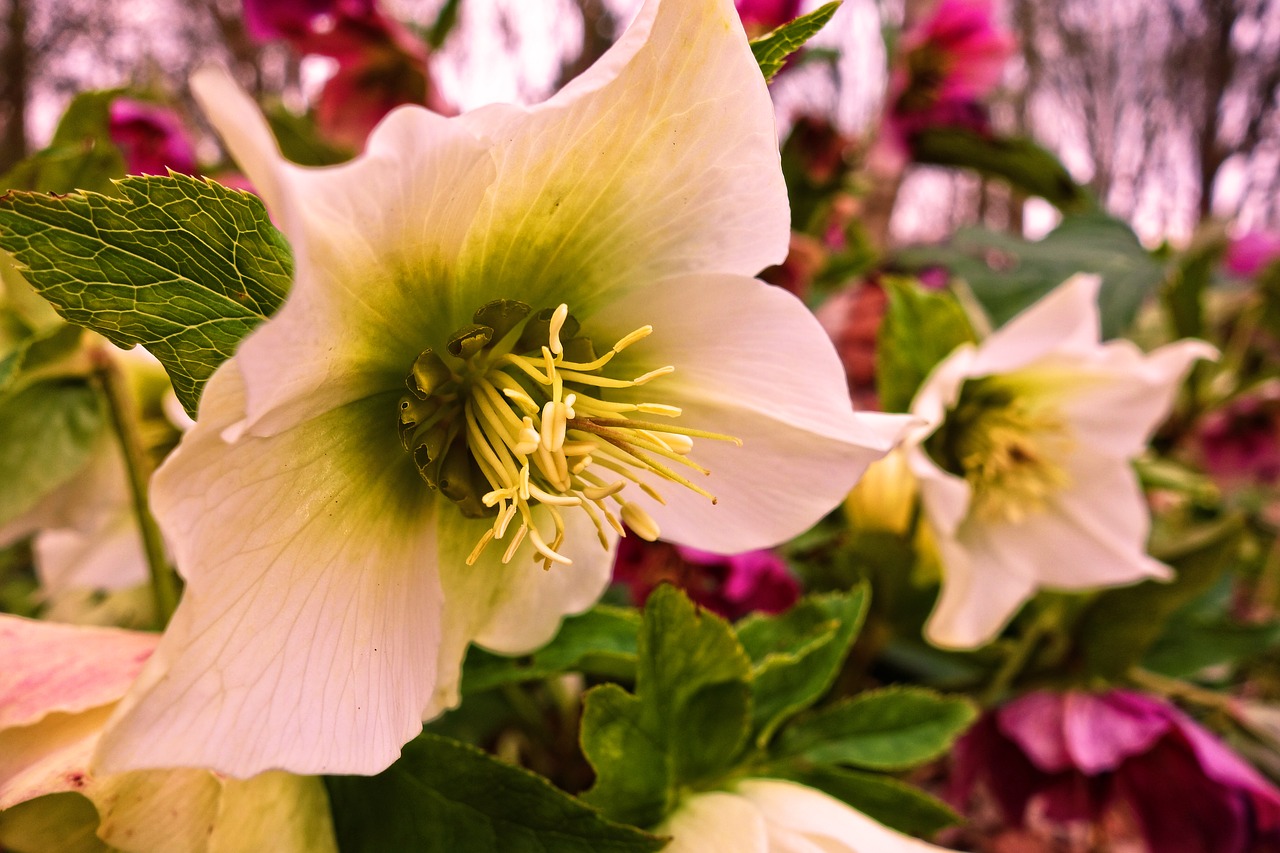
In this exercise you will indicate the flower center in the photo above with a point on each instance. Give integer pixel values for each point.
(1007, 446)
(515, 412)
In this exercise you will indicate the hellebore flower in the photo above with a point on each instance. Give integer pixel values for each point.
(1024, 461)
(1079, 755)
(1251, 253)
(763, 16)
(1239, 444)
(57, 688)
(945, 65)
(775, 816)
(731, 585)
(151, 138)
(534, 277)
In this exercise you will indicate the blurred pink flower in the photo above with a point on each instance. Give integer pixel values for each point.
(381, 64)
(1076, 756)
(151, 138)
(945, 65)
(1251, 253)
(762, 16)
(1239, 444)
(732, 585)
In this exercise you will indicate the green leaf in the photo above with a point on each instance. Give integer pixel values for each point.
(81, 155)
(183, 266)
(687, 721)
(445, 22)
(1018, 160)
(35, 353)
(47, 433)
(797, 655)
(882, 798)
(443, 796)
(603, 641)
(1123, 624)
(299, 140)
(1007, 274)
(1185, 292)
(919, 330)
(771, 50)
(1190, 646)
(889, 729)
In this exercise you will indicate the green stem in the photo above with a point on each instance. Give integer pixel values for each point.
(1020, 655)
(1174, 688)
(124, 423)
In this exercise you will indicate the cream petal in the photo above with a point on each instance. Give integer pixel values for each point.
(715, 822)
(660, 160)
(822, 818)
(64, 668)
(308, 631)
(145, 811)
(374, 242)
(751, 361)
(48, 757)
(1064, 321)
(274, 811)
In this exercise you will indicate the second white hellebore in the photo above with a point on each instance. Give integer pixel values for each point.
(508, 333)
(1025, 460)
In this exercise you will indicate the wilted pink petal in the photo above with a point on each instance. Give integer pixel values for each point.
(1251, 253)
(151, 138)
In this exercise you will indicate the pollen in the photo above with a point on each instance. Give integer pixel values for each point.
(518, 411)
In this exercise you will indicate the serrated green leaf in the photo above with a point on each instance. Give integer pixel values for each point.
(47, 433)
(1007, 274)
(183, 266)
(1018, 160)
(889, 729)
(1113, 639)
(919, 330)
(771, 50)
(883, 798)
(797, 655)
(443, 796)
(686, 723)
(603, 641)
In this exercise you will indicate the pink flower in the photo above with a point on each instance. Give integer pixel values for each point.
(151, 138)
(1251, 253)
(945, 65)
(762, 16)
(732, 585)
(1077, 756)
(1239, 444)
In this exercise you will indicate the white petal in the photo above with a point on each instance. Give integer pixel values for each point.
(273, 811)
(307, 636)
(52, 668)
(981, 591)
(661, 159)
(1064, 321)
(374, 241)
(824, 819)
(751, 361)
(715, 822)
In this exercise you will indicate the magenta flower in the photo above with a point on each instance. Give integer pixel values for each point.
(762, 16)
(1251, 253)
(1239, 444)
(1079, 755)
(151, 138)
(273, 20)
(732, 585)
(945, 65)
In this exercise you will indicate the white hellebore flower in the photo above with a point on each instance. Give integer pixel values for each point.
(565, 291)
(57, 689)
(1024, 460)
(775, 816)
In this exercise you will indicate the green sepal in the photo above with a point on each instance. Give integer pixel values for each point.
(183, 266)
(444, 796)
(603, 642)
(687, 722)
(882, 798)
(772, 49)
(888, 729)
(796, 656)
(920, 329)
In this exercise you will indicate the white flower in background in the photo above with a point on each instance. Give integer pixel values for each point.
(58, 686)
(565, 291)
(775, 816)
(1024, 461)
